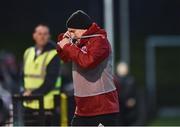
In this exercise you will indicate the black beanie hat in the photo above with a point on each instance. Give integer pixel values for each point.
(79, 20)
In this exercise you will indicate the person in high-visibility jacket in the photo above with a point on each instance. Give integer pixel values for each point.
(41, 72)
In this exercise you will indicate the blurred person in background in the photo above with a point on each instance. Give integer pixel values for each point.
(85, 44)
(9, 79)
(41, 76)
(4, 113)
(131, 108)
(9, 72)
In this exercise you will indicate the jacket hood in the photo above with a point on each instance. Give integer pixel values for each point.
(93, 29)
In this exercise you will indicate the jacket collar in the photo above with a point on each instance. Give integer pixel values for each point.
(94, 29)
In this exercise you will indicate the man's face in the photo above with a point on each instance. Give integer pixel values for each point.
(76, 33)
(41, 35)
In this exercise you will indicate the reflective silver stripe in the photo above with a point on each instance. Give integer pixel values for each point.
(93, 35)
(33, 76)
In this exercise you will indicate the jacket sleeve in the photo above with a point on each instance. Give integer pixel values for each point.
(97, 50)
(60, 52)
(50, 78)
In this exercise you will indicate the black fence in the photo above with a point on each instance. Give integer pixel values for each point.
(20, 117)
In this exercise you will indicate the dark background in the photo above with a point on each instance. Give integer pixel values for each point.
(147, 18)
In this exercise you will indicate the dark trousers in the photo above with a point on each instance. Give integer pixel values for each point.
(105, 120)
(35, 118)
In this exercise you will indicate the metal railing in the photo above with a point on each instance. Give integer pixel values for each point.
(17, 114)
(18, 109)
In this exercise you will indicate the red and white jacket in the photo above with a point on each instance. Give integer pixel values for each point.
(94, 88)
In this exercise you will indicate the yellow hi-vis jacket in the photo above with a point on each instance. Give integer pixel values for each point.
(34, 76)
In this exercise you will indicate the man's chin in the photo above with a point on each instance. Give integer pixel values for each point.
(42, 44)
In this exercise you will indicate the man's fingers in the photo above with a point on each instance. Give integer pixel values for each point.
(66, 35)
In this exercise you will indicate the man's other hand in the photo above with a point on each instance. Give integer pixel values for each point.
(27, 93)
(63, 42)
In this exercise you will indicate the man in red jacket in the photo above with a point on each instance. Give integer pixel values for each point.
(85, 44)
